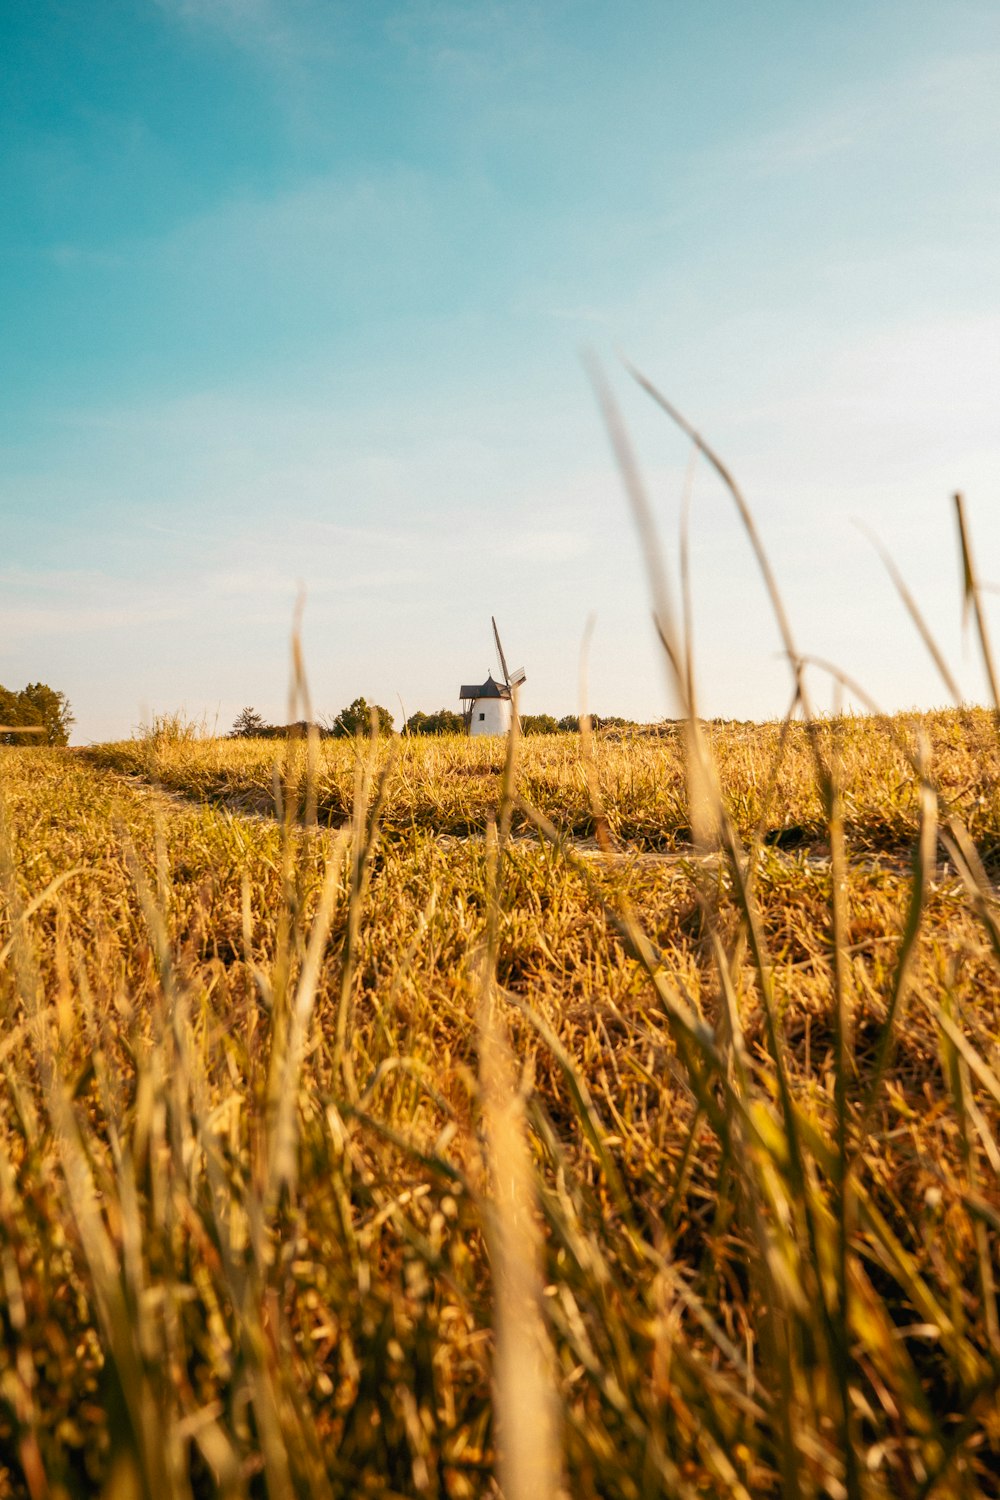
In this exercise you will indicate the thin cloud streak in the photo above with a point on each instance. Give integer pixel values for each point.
(923, 97)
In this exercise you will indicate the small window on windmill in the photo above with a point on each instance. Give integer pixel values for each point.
(482, 718)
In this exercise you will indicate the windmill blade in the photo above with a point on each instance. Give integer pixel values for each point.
(503, 659)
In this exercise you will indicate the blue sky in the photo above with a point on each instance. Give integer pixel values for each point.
(295, 294)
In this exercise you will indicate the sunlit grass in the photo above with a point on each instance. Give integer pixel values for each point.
(450, 785)
(332, 1320)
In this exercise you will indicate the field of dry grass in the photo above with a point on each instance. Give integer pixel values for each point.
(450, 785)
(479, 1120)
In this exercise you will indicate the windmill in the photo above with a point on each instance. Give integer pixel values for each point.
(487, 706)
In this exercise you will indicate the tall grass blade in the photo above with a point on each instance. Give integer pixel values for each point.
(972, 597)
(914, 611)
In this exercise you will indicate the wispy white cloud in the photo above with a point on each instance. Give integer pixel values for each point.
(36, 622)
(936, 379)
(287, 44)
(262, 583)
(951, 99)
(599, 316)
(474, 44)
(42, 602)
(260, 26)
(71, 256)
(365, 227)
(333, 247)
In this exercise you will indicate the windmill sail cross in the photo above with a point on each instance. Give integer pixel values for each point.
(503, 659)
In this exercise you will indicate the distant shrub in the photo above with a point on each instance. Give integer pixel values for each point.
(445, 721)
(611, 721)
(174, 728)
(538, 724)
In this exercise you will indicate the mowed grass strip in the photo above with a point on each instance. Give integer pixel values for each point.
(181, 1319)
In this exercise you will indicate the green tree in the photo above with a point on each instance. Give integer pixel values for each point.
(10, 708)
(249, 724)
(569, 724)
(538, 724)
(445, 721)
(36, 706)
(357, 719)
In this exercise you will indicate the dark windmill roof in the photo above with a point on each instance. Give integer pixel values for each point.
(488, 689)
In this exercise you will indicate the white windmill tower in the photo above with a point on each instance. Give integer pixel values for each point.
(487, 707)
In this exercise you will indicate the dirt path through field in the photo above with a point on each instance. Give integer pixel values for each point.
(796, 851)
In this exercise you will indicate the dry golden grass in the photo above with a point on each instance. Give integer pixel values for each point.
(451, 784)
(266, 1192)
(612, 1119)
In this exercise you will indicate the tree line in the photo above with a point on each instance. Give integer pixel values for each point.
(38, 708)
(358, 717)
